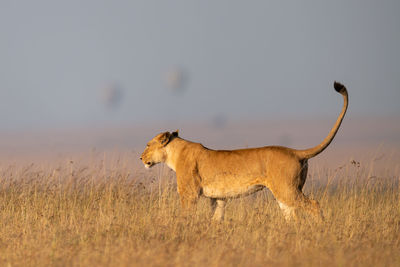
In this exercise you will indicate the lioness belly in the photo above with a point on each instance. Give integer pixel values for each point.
(230, 192)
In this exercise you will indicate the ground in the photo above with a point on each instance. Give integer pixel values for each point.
(108, 211)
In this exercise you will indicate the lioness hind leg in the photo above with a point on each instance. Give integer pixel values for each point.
(293, 200)
(312, 207)
(288, 212)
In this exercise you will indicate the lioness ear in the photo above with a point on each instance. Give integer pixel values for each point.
(175, 134)
(164, 139)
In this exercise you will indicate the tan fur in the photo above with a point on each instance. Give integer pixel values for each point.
(222, 174)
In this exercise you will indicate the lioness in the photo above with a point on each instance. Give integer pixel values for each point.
(223, 174)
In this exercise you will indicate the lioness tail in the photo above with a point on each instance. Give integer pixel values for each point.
(312, 152)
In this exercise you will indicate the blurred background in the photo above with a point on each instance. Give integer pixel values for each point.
(112, 74)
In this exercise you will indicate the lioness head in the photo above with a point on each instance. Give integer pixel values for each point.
(155, 150)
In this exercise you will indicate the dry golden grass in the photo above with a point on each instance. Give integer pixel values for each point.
(94, 215)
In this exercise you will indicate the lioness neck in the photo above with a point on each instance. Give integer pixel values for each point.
(173, 150)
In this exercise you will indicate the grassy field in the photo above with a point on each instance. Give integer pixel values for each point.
(103, 213)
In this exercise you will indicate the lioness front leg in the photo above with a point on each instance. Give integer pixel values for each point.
(218, 206)
(188, 188)
(188, 204)
(213, 205)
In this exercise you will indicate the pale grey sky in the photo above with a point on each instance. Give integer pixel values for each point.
(242, 59)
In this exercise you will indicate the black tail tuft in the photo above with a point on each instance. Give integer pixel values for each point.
(339, 87)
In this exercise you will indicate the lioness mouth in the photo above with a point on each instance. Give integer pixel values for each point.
(148, 164)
